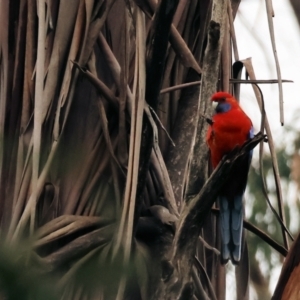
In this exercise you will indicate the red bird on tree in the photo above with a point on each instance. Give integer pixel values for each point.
(230, 128)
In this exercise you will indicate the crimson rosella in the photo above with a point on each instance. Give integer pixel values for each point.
(230, 128)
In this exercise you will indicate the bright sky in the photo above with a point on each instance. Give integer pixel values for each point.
(253, 39)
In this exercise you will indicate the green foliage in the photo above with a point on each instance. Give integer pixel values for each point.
(25, 276)
(22, 277)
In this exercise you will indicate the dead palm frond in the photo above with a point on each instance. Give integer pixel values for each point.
(103, 163)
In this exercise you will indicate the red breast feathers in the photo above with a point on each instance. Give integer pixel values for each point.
(230, 128)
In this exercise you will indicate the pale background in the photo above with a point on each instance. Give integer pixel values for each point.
(253, 39)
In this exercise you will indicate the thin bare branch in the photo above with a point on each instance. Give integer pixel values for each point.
(245, 81)
(261, 169)
(205, 278)
(260, 81)
(161, 125)
(99, 85)
(264, 236)
(270, 15)
(248, 65)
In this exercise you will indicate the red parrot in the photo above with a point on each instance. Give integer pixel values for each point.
(230, 128)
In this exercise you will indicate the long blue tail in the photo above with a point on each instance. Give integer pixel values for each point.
(231, 223)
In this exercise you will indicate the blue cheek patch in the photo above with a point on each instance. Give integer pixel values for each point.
(223, 107)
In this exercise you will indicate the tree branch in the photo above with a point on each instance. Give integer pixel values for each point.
(209, 82)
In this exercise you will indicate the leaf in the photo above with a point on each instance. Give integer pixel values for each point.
(63, 37)
(104, 123)
(99, 85)
(160, 168)
(178, 44)
(94, 29)
(182, 50)
(66, 225)
(124, 77)
(31, 201)
(74, 52)
(126, 223)
(38, 110)
(79, 247)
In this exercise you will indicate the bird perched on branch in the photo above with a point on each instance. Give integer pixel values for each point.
(230, 128)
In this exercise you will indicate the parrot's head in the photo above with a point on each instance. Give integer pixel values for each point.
(225, 101)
